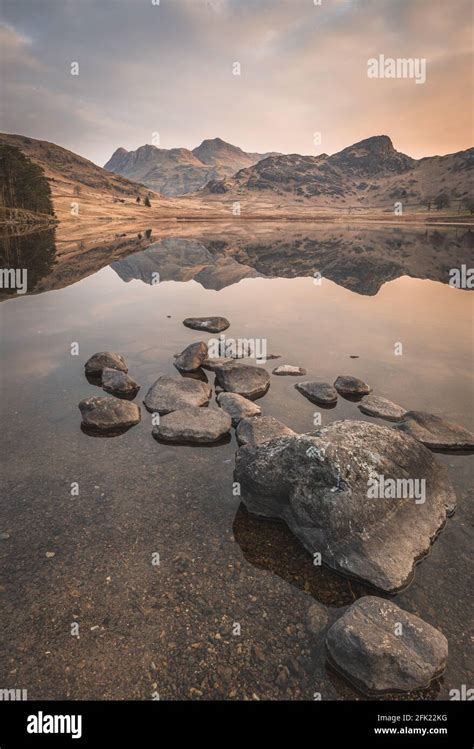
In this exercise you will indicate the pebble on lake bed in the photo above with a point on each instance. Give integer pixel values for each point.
(98, 362)
(119, 383)
(238, 407)
(172, 394)
(244, 379)
(209, 324)
(104, 414)
(375, 405)
(321, 393)
(192, 357)
(435, 432)
(194, 424)
(351, 387)
(289, 369)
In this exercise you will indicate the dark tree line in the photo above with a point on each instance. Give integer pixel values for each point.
(22, 183)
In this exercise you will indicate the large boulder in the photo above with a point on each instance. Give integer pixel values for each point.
(103, 414)
(171, 394)
(381, 648)
(238, 407)
(324, 485)
(260, 429)
(192, 357)
(193, 424)
(209, 324)
(98, 362)
(435, 432)
(244, 379)
(375, 405)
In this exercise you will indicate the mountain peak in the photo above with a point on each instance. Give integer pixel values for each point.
(371, 156)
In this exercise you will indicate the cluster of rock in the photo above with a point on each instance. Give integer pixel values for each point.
(317, 483)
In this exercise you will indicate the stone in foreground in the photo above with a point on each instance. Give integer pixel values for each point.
(192, 357)
(435, 432)
(216, 362)
(289, 369)
(209, 324)
(375, 405)
(260, 429)
(119, 383)
(244, 379)
(319, 483)
(199, 425)
(365, 647)
(172, 394)
(238, 407)
(351, 387)
(321, 393)
(103, 414)
(98, 362)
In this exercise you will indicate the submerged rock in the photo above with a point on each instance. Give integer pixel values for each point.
(193, 425)
(319, 483)
(381, 648)
(119, 383)
(435, 432)
(260, 429)
(244, 379)
(316, 618)
(238, 407)
(210, 324)
(192, 357)
(318, 392)
(351, 387)
(216, 362)
(98, 362)
(289, 369)
(103, 414)
(375, 405)
(171, 394)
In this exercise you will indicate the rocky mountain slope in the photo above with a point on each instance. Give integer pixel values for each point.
(368, 174)
(177, 171)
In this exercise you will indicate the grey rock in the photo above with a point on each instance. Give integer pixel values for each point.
(210, 324)
(244, 379)
(318, 483)
(260, 429)
(193, 424)
(365, 647)
(216, 362)
(119, 383)
(321, 393)
(98, 362)
(103, 414)
(375, 405)
(435, 432)
(238, 407)
(351, 387)
(192, 357)
(289, 369)
(171, 394)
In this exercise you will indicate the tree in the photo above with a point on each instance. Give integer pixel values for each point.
(147, 202)
(138, 199)
(442, 201)
(428, 201)
(468, 204)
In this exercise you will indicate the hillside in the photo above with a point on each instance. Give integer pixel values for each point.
(179, 171)
(369, 174)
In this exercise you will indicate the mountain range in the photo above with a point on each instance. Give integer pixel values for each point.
(178, 171)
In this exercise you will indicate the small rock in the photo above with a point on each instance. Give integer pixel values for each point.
(108, 414)
(98, 362)
(244, 379)
(375, 405)
(288, 369)
(50, 554)
(210, 324)
(381, 648)
(316, 619)
(171, 394)
(351, 387)
(318, 392)
(238, 407)
(216, 362)
(435, 432)
(193, 425)
(192, 357)
(259, 429)
(119, 383)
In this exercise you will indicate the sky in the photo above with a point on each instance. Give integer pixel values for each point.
(167, 67)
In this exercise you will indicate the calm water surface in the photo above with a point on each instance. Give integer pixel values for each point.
(169, 628)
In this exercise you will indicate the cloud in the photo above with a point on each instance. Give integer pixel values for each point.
(168, 68)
